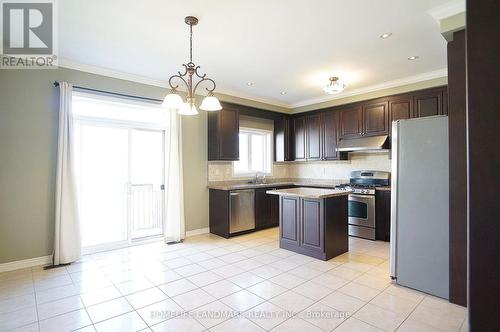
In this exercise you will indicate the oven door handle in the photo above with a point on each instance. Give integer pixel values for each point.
(365, 197)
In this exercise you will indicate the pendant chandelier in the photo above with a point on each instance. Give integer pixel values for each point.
(174, 101)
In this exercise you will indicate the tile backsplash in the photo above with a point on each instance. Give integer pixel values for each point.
(223, 171)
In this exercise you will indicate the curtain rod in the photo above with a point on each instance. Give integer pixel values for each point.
(56, 84)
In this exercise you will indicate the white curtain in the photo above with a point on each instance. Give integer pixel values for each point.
(174, 194)
(67, 243)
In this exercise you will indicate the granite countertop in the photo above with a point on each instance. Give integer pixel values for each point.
(316, 193)
(235, 185)
(318, 183)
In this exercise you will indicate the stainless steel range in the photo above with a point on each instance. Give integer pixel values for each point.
(362, 201)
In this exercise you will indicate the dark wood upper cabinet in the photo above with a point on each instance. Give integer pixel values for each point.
(223, 134)
(351, 122)
(300, 138)
(283, 139)
(429, 103)
(401, 108)
(329, 121)
(375, 118)
(313, 137)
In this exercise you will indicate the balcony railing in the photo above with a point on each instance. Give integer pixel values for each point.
(145, 210)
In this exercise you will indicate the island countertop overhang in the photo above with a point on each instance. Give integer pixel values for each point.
(305, 192)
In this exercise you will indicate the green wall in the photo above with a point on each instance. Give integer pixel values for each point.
(28, 147)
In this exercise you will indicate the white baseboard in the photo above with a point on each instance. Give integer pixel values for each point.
(198, 231)
(25, 263)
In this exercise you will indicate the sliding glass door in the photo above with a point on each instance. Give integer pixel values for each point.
(120, 183)
(120, 175)
(145, 189)
(101, 172)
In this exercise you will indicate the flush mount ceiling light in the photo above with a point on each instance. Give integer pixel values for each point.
(250, 83)
(174, 101)
(334, 86)
(386, 35)
(283, 93)
(413, 57)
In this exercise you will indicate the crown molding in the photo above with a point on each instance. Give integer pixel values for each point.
(69, 64)
(448, 9)
(228, 95)
(237, 94)
(373, 88)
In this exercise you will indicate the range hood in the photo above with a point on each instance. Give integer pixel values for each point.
(374, 143)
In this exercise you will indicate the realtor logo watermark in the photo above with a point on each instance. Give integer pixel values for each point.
(29, 39)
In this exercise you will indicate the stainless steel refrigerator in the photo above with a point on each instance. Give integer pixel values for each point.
(419, 205)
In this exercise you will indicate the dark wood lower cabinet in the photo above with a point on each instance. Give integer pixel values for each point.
(312, 230)
(314, 227)
(289, 222)
(382, 215)
(218, 212)
(266, 209)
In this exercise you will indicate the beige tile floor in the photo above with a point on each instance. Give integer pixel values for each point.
(210, 283)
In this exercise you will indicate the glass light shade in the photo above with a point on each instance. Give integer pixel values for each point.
(187, 109)
(172, 101)
(334, 87)
(210, 103)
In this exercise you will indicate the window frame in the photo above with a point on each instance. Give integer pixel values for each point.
(92, 97)
(268, 153)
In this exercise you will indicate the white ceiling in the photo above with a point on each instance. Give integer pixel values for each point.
(279, 45)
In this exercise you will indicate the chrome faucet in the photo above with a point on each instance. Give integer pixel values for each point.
(256, 179)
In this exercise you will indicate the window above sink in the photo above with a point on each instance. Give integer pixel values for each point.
(255, 149)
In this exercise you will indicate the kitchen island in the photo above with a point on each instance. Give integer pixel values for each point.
(313, 221)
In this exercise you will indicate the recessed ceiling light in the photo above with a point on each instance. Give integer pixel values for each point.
(413, 57)
(250, 83)
(386, 35)
(283, 92)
